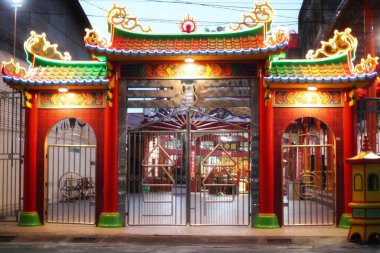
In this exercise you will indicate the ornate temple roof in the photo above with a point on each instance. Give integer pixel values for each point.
(329, 66)
(50, 69)
(127, 42)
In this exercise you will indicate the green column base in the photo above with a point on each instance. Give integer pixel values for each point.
(343, 222)
(29, 219)
(110, 220)
(267, 220)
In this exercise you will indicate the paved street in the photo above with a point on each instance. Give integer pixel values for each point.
(186, 239)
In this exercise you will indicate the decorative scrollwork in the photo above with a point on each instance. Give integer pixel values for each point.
(279, 36)
(38, 45)
(13, 69)
(308, 185)
(262, 13)
(119, 16)
(93, 38)
(341, 43)
(188, 25)
(366, 65)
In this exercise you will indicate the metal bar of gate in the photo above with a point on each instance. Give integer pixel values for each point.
(11, 154)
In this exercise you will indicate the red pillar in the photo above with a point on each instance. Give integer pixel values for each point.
(266, 217)
(29, 216)
(349, 138)
(370, 48)
(110, 216)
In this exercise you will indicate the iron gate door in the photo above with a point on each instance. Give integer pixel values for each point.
(220, 179)
(189, 175)
(308, 181)
(71, 170)
(11, 154)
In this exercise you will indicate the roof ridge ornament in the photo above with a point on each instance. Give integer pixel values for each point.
(13, 69)
(118, 16)
(341, 43)
(93, 38)
(280, 35)
(38, 45)
(366, 65)
(188, 25)
(261, 13)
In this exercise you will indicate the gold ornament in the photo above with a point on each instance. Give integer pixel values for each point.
(93, 38)
(262, 13)
(13, 69)
(341, 43)
(119, 16)
(38, 45)
(279, 36)
(366, 65)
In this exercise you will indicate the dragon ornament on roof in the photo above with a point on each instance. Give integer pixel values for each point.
(38, 45)
(118, 16)
(262, 13)
(344, 43)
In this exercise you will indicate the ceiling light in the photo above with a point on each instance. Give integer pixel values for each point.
(312, 88)
(189, 60)
(63, 89)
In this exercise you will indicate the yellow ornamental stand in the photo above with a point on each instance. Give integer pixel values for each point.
(365, 222)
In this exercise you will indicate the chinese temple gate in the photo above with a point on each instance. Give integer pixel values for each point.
(190, 128)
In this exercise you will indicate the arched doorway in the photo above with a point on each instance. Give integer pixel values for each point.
(308, 173)
(71, 169)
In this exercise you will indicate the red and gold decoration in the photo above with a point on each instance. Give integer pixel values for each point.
(278, 36)
(88, 99)
(262, 13)
(341, 43)
(119, 16)
(38, 45)
(13, 69)
(186, 70)
(188, 25)
(366, 65)
(93, 38)
(302, 98)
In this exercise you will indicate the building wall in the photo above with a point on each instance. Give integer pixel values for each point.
(314, 19)
(319, 18)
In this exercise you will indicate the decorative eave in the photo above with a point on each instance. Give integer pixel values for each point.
(49, 69)
(252, 43)
(331, 66)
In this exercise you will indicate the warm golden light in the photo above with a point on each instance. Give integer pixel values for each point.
(312, 88)
(63, 89)
(189, 60)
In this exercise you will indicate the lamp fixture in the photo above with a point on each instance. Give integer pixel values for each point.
(63, 89)
(189, 60)
(311, 88)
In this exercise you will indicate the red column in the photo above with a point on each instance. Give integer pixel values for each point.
(29, 216)
(349, 139)
(370, 48)
(348, 152)
(110, 216)
(266, 217)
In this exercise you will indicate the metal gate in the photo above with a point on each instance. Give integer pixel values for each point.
(11, 154)
(71, 170)
(188, 167)
(308, 163)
